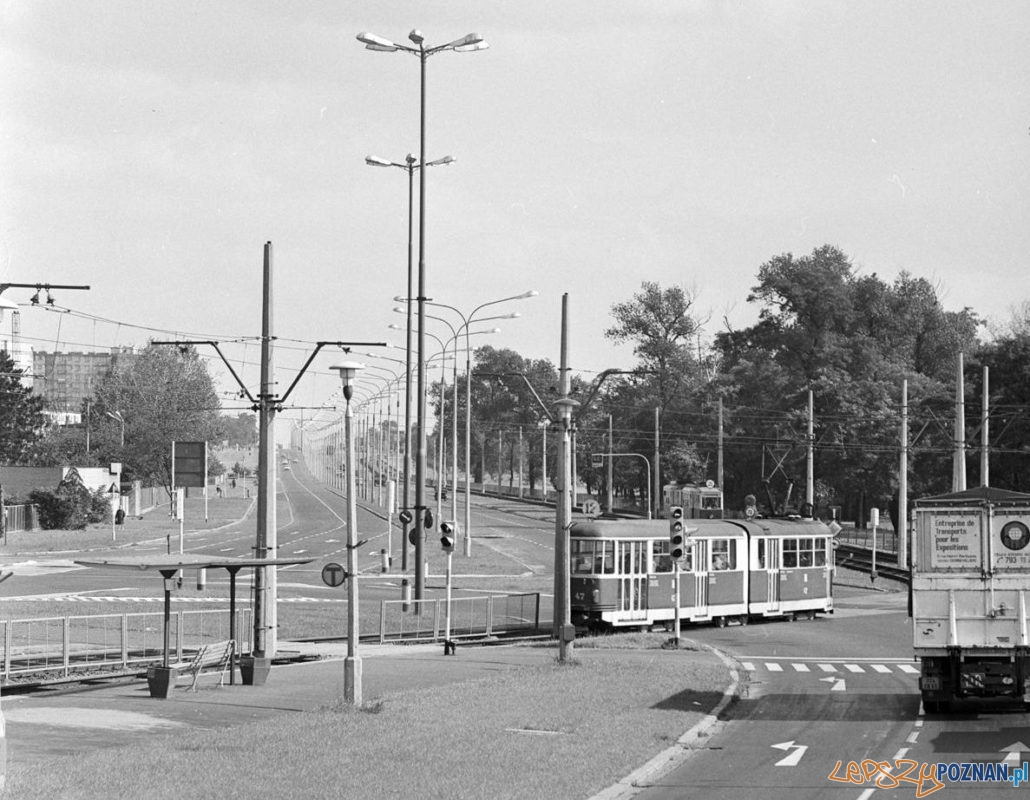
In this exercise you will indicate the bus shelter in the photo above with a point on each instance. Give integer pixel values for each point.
(169, 566)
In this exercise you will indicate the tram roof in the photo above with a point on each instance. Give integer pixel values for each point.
(981, 495)
(652, 528)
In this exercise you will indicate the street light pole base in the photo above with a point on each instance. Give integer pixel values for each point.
(254, 670)
(352, 680)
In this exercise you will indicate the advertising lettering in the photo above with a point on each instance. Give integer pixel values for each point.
(955, 543)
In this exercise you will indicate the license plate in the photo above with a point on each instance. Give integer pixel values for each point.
(931, 684)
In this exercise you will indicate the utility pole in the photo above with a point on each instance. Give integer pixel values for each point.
(611, 449)
(265, 583)
(718, 477)
(810, 460)
(656, 495)
(903, 482)
(564, 630)
(985, 449)
(958, 479)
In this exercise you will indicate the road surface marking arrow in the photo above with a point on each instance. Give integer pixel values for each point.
(838, 684)
(791, 759)
(1013, 751)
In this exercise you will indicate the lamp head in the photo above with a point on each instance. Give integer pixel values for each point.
(373, 42)
(417, 37)
(376, 161)
(347, 370)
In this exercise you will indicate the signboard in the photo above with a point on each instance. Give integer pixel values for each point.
(189, 464)
(333, 574)
(591, 508)
(1010, 541)
(954, 539)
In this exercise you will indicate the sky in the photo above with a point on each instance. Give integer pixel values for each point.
(150, 150)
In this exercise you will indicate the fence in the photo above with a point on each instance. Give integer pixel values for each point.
(20, 518)
(61, 645)
(420, 620)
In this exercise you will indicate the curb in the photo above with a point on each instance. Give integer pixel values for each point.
(673, 757)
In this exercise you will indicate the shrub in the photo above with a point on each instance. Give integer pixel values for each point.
(71, 506)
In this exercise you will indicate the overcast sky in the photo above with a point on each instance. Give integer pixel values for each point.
(151, 149)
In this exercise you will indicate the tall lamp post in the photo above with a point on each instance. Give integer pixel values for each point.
(411, 163)
(468, 43)
(352, 663)
(467, 320)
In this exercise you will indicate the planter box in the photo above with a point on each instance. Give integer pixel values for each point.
(161, 680)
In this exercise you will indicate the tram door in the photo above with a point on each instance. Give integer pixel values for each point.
(765, 573)
(633, 580)
(698, 596)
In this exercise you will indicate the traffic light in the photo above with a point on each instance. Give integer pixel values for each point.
(677, 534)
(448, 530)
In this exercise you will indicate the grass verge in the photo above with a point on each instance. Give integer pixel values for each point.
(551, 731)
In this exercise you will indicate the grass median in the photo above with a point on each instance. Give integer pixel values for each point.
(549, 731)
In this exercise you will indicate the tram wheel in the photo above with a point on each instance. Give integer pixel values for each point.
(719, 622)
(743, 619)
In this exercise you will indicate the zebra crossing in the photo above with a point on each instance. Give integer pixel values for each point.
(841, 667)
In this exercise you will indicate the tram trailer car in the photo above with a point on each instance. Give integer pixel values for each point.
(697, 502)
(622, 574)
(970, 580)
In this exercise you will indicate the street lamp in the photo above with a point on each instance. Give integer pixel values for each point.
(466, 321)
(411, 163)
(467, 43)
(117, 416)
(352, 663)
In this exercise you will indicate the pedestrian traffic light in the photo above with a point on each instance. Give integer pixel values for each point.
(448, 531)
(677, 534)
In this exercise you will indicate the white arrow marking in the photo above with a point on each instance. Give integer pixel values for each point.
(838, 684)
(792, 759)
(1012, 752)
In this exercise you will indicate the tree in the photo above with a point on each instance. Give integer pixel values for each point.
(21, 415)
(166, 395)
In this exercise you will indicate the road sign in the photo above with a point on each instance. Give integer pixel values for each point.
(189, 464)
(333, 574)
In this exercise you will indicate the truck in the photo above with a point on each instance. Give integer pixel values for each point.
(970, 577)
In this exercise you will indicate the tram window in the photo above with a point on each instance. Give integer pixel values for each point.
(606, 557)
(660, 556)
(790, 552)
(724, 554)
(582, 557)
(805, 553)
(710, 502)
(760, 554)
(820, 553)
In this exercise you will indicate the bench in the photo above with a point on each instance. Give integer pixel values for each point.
(216, 655)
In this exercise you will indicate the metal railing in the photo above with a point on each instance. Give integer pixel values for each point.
(63, 645)
(21, 518)
(424, 620)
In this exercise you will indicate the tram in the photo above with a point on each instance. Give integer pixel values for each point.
(697, 502)
(623, 576)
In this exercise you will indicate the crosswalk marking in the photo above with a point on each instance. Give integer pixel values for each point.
(828, 667)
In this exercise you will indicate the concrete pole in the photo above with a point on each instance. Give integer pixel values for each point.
(719, 472)
(564, 629)
(958, 482)
(903, 482)
(985, 449)
(611, 470)
(810, 460)
(265, 587)
(656, 494)
(352, 663)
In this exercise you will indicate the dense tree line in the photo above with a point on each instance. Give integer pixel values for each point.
(823, 327)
